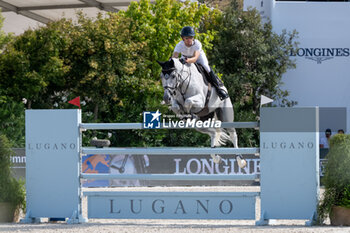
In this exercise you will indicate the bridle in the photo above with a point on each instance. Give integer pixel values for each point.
(179, 81)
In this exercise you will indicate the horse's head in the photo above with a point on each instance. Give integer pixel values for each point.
(170, 79)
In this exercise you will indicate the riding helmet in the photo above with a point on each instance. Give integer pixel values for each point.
(188, 31)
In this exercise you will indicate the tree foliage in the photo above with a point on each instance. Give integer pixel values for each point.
(11, 111)
(110, 61)
(12, 121)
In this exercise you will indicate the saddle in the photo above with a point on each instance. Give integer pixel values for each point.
(203, 72)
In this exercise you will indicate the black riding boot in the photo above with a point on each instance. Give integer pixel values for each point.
(216, 82)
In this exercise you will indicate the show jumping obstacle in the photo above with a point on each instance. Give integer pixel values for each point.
(289, 166)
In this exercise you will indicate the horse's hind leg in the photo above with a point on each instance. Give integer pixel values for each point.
(233, 136)
(226, 114)
(213, 141)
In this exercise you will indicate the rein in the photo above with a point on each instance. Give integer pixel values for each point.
(189, 77)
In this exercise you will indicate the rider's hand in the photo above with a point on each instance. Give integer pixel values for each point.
(183, 60)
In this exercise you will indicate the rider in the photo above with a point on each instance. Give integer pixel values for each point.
(191, 51)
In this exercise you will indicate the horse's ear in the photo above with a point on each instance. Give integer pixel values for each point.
(172, 63)
(161, 63)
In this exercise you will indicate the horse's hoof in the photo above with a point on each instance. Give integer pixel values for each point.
(100, 143)
(216, 158)
(241, 162)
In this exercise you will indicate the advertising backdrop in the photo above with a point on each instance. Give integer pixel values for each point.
(177, 164)
(321, 77)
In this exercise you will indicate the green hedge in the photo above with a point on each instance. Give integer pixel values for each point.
(337, 176)
(11, 190)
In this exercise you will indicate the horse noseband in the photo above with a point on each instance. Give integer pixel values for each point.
(171, 90)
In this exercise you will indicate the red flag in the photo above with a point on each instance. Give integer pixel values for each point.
(75, 101)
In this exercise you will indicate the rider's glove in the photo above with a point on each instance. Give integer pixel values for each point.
(183, 60)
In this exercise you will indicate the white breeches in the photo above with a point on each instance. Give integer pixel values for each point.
(203, 60)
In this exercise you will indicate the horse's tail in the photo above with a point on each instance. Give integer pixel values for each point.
(221, 137)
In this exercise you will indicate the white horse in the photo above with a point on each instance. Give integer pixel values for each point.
(187, 92)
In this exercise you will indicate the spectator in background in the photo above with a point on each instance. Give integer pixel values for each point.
(340, 131)
(324, 141)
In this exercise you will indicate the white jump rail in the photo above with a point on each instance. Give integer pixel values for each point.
(171, 151)
(167, 177)
(110, 126)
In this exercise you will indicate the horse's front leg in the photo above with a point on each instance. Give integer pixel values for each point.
(213, 141)
(216, 158)
(226, 115)
(194, 104)
(242, 163)
(176, 108)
